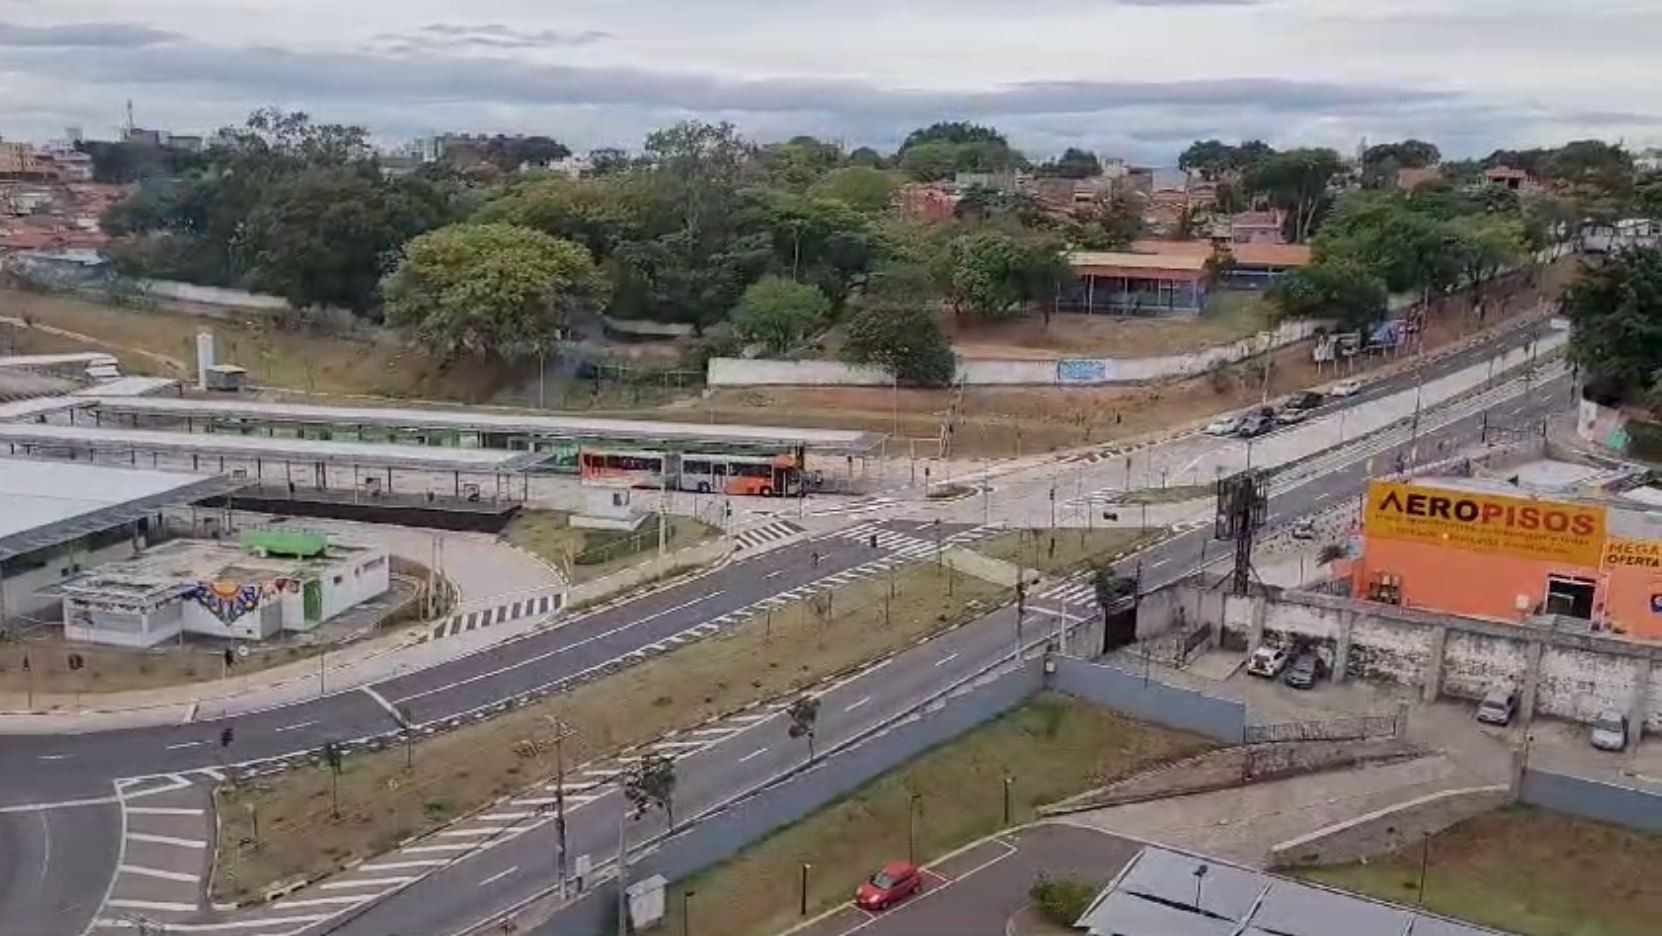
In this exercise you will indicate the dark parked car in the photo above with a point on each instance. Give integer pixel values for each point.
(1304, 672)
(1256, 424)
(1304, 400)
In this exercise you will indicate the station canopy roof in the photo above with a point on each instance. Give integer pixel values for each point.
(618, 431)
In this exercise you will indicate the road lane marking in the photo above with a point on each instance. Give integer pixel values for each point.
(184, 744)
(854, 705)
(947, 659)
(294, 727)
(399, 866)
(142, 871)
(448, 846)
(753, 754)
(775, 572)
(126, 904)
(321, 902)
(53, 756)
(381, 700)
(498, 876)
(163, 811)
(257, 923)
(538, 658)
(1159, 562)
(370, 882)
(165, 840)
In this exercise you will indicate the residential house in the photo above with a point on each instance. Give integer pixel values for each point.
(1410, 179)
(1258, 227)
(1518, 180)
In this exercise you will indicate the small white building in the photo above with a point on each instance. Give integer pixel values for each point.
(275, 580)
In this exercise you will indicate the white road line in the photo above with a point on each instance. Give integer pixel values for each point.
(400, 866)
(381, 700)
(498, 876)
(214, 773)
(184, 744)
(513, 815)
(142, 871)
(126, 904)
(53, 756)
(294, 727)
(257, 923)
(323, 901)
(854, 705)
(776, 572)
(165, 840)
(163, 811)
(1159, 562)
(369, 882)
(753, 754)
(946, 659)
(475, 831)
(428, 849)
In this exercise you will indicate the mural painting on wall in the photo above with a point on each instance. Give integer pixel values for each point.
(227, 600)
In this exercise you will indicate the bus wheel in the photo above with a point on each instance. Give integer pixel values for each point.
(703, 487)
(766, 491)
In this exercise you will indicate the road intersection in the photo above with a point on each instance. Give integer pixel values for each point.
(74, 855)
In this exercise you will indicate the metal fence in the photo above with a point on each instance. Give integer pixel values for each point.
(1334, 729)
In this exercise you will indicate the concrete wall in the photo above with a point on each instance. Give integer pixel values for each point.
(1384, 831)
(1575, 675)
(1606, 802)
(739, 372)
(19, 592)
(362, 575)
(212, 295)
(1150, 699)
(725, 832)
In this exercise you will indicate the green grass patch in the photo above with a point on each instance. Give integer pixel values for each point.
(1051, 748)
(1528, 871)
(1057, 552)
(590, 554)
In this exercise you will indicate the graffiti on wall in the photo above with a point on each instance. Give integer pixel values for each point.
(228, 601)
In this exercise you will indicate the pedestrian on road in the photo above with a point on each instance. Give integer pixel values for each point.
(816, 558)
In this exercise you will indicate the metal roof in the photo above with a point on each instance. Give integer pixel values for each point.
(1155, 895)
(828, 441)
(363, 454)
(45, 503)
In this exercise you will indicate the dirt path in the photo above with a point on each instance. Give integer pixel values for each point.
(171, 363)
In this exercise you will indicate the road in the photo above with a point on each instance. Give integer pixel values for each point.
(63, 895)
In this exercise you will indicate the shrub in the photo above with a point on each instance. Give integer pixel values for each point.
(1061, 900)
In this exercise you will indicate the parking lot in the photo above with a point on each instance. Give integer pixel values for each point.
(977, 891)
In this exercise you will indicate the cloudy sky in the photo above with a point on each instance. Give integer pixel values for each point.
(1138, 78)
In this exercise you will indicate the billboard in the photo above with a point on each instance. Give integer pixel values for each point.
(1639, 554)
(1488, 523)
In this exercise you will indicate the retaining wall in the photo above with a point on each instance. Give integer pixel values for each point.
(1607, 802)
(1150, 699)
(741, 372)
(1387, 830)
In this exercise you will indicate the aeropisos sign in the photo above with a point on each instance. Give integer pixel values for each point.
(1513, 526)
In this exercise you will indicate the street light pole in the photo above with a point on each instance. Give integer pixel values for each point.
(912, 829)
(1425, 859)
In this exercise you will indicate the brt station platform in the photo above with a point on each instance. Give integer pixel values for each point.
(833, 458)
(466, 489)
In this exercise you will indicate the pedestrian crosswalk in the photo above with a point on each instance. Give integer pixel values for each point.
(767, 533)
(862, 505)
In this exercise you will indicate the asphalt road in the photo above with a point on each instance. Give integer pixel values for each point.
(70, 853)
(470, 892)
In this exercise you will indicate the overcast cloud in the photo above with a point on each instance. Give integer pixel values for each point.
(1138, 78)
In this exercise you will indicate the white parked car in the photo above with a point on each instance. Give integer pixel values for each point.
(1346, 387)
(1227, 426)
(1610, 731)
(1267, 662)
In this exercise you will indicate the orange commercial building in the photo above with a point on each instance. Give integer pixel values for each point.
(1485, 550)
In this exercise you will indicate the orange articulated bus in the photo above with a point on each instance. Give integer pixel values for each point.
(755, 475)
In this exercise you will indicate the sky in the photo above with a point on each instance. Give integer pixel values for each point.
(1133, 78)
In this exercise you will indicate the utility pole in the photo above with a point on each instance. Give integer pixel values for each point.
(561, 730)
(622, 871)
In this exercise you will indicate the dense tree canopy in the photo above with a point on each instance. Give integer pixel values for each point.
(1616, 311)
(1214, 159)
(1343, 291)
(780, 313)
(1297, 182)
(495, 289)
(1072, 164)
(904, 340)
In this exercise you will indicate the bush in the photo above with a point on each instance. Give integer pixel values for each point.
(905, 341)
(1061, 900)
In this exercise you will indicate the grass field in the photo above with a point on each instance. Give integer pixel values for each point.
(592, 554)
(1528, 871)
(1173, 494)
(1057, 552)
(1051, 748)
(764, 657)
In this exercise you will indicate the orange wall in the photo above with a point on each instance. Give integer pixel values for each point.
(1627, 605)
(1437, 578)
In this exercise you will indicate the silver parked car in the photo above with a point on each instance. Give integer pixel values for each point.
(1610, 731)
(1498, 707)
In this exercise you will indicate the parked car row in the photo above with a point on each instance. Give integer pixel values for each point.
(1300, 669)
(1500, 705)
(1249, 425)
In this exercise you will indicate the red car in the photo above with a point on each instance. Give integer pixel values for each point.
(890, 886)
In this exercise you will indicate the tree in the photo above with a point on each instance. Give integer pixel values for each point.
(650, 784)
(981, 272)
(1209, 158)
(940, 150)
(599, 213)
(1342, 290)
(955, 133)
(1072, 164)
(1615, 309)
(904, 340)
(1487, 245)
(867, 157)
(1111, 587)
(930, 162)
(608, 160)
(804, 711)
(510, 153)
(819, 239)
(1381, 162)
(1109, 224)
(1296, 181)
(495, 289)
(859, 187)
(328, 234)
(798, 162)
(780, 313)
